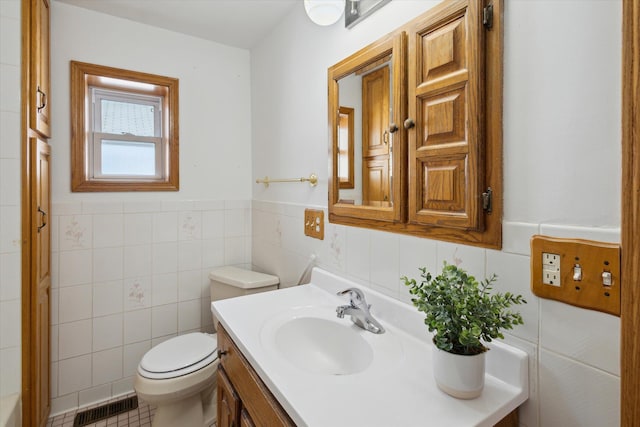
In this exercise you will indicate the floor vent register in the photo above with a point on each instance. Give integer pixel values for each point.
(93, 415)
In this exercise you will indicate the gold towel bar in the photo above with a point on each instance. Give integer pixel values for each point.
(313, 180)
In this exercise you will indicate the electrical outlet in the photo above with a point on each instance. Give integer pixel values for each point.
(551, 269)
(314, 223)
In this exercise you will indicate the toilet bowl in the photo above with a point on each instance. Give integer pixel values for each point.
(178, 376)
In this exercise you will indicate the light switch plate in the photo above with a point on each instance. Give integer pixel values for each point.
(582, 267)
(314, 223)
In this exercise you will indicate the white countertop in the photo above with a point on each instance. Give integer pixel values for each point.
(396, 389)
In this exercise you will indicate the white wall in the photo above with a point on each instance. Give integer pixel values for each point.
(562, 105)
(562, 154)
(10, 79)
(130, 270)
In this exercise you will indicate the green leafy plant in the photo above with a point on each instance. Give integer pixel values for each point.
(462, 311)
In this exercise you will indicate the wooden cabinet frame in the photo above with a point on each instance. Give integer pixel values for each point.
(35, 213)
(487, 230)
(40, 81)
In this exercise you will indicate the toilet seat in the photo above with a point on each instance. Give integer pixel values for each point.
(178, 356)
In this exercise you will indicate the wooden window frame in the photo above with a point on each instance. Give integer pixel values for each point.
(346, 154)
(84, 178)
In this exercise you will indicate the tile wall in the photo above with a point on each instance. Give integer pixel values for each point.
(10, 78)
(128, 275)
(574, 353)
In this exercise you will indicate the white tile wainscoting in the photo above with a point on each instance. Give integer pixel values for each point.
(128, 275)
(10, 282)
(574, 353)
(136, 274)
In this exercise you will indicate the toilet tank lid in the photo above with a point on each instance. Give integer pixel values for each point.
(241, 278)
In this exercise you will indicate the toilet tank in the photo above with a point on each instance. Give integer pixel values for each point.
(228, 282)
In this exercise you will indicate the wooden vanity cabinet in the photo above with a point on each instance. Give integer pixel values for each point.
(228, 402)
(245, 419)
(243, 399)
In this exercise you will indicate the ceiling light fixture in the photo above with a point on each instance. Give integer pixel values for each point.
(324, 12)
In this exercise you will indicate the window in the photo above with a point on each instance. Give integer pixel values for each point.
(345, 147)
(124, 130)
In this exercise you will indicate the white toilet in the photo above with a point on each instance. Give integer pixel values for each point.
(178, 376)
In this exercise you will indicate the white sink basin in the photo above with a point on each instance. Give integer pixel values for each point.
(323, 346)
(312, 340)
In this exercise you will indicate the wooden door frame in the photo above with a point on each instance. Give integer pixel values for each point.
(27, 269)
(630, 223)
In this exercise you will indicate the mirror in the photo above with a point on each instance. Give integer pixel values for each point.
(365, 101)
(366, 95)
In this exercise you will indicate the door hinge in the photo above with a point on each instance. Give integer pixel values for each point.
(487, 197)
(487, 16)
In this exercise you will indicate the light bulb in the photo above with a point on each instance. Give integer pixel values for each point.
(324, 12)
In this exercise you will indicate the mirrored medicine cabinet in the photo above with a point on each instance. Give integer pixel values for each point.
(366, 98)
(415, 123)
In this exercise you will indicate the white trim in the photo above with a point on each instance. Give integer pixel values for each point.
(97, 137)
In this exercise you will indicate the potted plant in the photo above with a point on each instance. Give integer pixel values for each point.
(463, 314)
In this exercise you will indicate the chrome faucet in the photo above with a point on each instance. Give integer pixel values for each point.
(358, 309)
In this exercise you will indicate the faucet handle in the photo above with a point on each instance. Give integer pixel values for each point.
(356, 296)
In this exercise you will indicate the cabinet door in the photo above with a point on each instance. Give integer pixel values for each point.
(446, 75)
(242, 379)
(41, 286)
(228, 402)
(39, 97)
(375, 113)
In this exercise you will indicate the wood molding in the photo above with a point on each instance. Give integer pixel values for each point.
(28, 396)
(35, 233)
(630, 229)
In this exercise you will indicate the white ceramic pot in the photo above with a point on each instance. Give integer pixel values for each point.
(458, 375)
